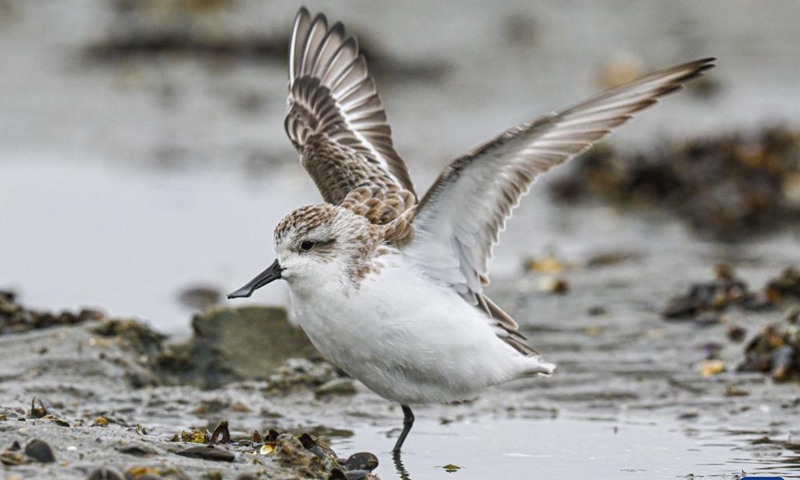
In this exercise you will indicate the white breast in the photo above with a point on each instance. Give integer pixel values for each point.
(404, 337)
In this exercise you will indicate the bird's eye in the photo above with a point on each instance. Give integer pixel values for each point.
(306, 245)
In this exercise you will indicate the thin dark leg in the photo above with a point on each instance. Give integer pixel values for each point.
(408, 422)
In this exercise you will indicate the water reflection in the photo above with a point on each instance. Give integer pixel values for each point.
(399, 467)
(496, 448)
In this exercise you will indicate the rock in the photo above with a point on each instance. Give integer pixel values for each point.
(40, 451)
(106, 473)
(736, 333)
(336, 386)
(139, 449)
(38, 408)
(200, 297)
(134, 335)
(228, 345)
(208, 453)
(361, 461)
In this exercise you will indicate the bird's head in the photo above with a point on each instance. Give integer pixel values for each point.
(318, 243)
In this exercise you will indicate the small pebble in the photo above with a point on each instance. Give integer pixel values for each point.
(734, 391)
(711, 367)
(361, 461)
(208, 453)
(336, 386)
(736, 333)
(554, 285)
(106, 473)
(40, 451)
(38, 409)
(134, 449)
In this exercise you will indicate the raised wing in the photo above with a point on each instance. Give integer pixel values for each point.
(337, 123)
(459, 219)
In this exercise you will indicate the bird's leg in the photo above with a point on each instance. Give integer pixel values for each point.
(408, 422)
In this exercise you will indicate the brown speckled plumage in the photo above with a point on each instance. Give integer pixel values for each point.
(338, 125)
(346, 232)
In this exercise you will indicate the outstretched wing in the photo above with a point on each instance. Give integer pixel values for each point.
(459, 219)
(337, 123)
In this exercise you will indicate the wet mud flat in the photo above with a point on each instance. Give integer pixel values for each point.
(635, 391)
(109, 398)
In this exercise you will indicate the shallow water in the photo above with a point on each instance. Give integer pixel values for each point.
(574, 448)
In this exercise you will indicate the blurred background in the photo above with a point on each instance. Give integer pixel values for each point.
(143, 162)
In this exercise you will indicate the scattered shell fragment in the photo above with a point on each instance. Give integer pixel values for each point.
(553, 285)
(267, 449)
(221, 434)
(710, 368)
(734, 391)
(11, 458)
(137, 472)
(192, 436)
(38, 409)
(549, 264)
(56, 420)
(775, 350)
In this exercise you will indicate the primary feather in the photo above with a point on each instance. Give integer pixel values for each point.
(458, 221)
(337, 123)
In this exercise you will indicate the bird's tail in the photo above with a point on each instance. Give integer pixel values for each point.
(538, 366)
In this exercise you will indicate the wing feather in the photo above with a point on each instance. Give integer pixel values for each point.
(458, 221)
(337, 122)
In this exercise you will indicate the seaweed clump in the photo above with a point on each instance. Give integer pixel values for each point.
(710, 299)
(727, 186)
(776, 350)
(16, 318)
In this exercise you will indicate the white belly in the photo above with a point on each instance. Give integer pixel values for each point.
(405, 338)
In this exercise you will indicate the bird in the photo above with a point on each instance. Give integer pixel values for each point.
(388, 286)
